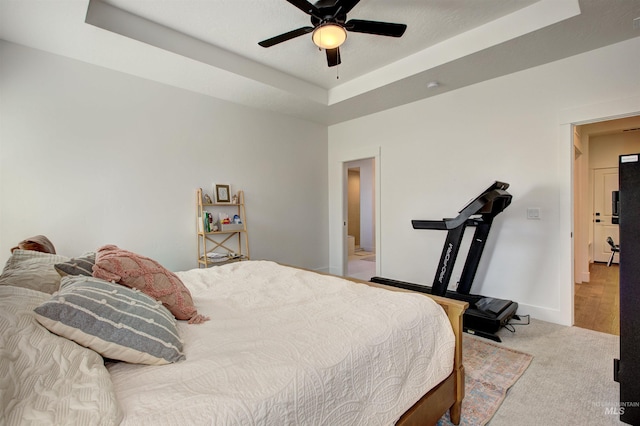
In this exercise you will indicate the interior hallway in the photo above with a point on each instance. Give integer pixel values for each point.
(597, 303)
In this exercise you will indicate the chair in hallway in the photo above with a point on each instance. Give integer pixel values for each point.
(615, 248)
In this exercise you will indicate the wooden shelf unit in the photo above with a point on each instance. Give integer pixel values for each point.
(226, 242)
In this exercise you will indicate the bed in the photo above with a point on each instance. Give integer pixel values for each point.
(272, 345)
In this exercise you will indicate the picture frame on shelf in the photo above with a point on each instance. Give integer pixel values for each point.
(222, 193)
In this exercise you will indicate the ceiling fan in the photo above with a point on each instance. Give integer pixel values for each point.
(330, 26)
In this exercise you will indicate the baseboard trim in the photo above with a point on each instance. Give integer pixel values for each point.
(583, 277)
(544, 314)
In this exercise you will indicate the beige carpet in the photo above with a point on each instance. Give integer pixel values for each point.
(569, 382)
(490, 370)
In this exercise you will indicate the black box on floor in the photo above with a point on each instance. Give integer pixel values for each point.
(475, 319)
(485, 314)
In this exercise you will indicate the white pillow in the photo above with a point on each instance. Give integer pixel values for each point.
(33, 270)
(47, 379)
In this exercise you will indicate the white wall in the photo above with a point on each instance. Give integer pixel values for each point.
(605, 150)
(90, 156)
(437, 153)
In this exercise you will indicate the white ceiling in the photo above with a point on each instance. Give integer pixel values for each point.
(239, 25)
(210, 46)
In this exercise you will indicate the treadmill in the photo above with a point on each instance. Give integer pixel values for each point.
(486, 315)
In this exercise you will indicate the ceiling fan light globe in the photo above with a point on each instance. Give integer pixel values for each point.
(329, 36)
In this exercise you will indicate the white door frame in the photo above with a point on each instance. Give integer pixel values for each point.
(338, 212)
(567, 119)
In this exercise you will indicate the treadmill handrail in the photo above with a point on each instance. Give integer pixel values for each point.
(430, 224)
(496, 185)
(479, 203)
(495, 192)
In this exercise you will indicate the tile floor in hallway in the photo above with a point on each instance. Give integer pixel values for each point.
(362, 265)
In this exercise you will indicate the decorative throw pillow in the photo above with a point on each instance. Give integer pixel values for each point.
(117, 322)
(77, 265)
(36, 243)
(45, 378)
(33, 270)
(147, 275)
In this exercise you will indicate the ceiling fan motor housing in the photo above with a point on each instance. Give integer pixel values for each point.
(327, 12)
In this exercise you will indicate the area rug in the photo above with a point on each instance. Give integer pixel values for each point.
(490, 370)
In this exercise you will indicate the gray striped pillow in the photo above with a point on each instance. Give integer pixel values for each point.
(82, 265)
(117, 322)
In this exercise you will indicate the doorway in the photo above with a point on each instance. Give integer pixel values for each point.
(361, 218)
(597, 147)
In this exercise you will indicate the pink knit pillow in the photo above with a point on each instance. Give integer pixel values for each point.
(147, 275)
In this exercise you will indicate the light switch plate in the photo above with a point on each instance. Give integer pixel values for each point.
(533, 213)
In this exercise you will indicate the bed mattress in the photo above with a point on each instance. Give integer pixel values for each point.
(289, 346)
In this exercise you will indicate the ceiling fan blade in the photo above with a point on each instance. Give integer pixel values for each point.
(333, 57)
(375, 27)
(286, 36)
(306, 7)
(347, 5)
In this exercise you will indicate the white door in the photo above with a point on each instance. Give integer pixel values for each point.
(605, 181)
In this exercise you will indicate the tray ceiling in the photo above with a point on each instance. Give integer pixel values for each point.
(210, 47)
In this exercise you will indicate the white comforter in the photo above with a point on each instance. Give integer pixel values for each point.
(291, 347)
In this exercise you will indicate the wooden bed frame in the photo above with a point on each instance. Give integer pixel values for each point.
(449, 393)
